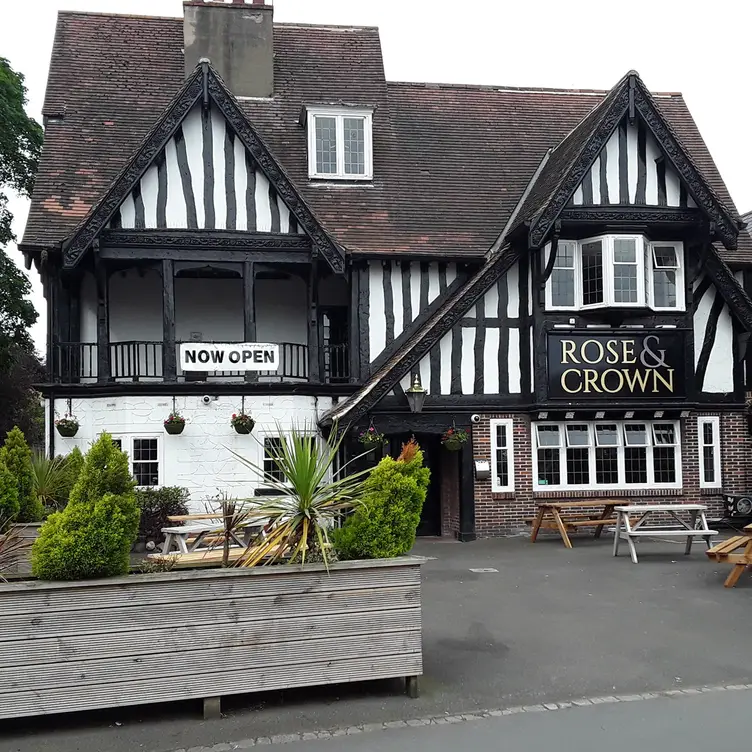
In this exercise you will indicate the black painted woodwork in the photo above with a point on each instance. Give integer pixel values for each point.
(103, 319)
(169, 356)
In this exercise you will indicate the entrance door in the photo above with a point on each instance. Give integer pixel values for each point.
(430, 518)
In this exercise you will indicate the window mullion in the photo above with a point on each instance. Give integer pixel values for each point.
(340, 146)
(607, 259)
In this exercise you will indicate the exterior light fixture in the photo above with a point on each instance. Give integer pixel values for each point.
(416, 396)
(569, 416)
(629, 414)
(600, 415)
(542, 416)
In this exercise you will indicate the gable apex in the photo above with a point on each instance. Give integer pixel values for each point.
(204, 95)
(576, 155)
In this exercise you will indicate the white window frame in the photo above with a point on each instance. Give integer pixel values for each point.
(126, 445)
(509, 425)
(680, 283)
(621, 486)
(714, 421)
(645, 268)
(339, 114)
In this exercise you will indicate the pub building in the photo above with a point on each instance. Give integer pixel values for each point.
(235, 215)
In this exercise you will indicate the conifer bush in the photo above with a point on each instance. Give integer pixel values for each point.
(93, 535)
(8, 497)
(393, 495)
(16, 456)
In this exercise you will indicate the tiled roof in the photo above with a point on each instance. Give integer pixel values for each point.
(450, 162)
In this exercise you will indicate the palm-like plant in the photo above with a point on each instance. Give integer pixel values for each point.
(307, 503)
(50, 479)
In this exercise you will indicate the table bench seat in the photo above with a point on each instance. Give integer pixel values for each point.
(723, 552)
(679, 532)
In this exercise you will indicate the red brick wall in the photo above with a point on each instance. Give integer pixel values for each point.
(498, 514)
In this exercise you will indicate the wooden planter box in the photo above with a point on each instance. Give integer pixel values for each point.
(202, 634)
(29, 532)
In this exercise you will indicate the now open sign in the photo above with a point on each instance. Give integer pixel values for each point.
(236, 356)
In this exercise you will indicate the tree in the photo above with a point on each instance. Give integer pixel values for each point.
(16, 456)
(20, 144)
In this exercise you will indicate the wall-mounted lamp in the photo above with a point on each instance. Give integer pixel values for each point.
(629, 414)
(600, 415)
(542, 416)
(658, 414)
(416, 396)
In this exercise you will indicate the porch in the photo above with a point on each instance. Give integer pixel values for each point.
(80, 363)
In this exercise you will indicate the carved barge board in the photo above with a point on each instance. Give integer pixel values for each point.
(194, 635)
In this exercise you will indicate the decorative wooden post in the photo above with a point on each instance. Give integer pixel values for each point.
(169, 360)
(249, 309)
(353, 339)
(314, 361)
(103, 317)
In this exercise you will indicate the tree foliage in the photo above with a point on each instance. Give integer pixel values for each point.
(20, 144)
(93, 535)
(385, 525)
(8, 497)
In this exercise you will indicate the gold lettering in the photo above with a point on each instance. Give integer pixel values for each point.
(620, 376)
(567, 351)
(668, 383)
(583, 351)
(627, 349)
(564, 381)
(613, 358)
(591, 378)
(636, 377)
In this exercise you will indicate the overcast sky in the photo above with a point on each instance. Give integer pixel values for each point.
(701, 50)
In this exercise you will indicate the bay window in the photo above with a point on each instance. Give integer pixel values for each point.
(618, 271)
(617, 454)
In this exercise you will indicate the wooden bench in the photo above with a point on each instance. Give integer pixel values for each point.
(724, 552)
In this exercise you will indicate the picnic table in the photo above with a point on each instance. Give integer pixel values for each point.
(725, 552)
(676, 528)
(567, 517)
(200, 529)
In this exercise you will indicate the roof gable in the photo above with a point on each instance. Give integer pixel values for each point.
(199, 196)
(569, 173)
(205, 179)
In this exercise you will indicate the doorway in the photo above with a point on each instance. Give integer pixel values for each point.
(430, 518)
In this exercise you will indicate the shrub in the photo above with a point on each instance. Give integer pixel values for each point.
(156, 505)
(16, 456)
(73, 463)
(386, 524)
(93, 535)
(87, 540)
(8, 497)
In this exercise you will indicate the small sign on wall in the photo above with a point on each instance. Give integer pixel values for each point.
(236, 356)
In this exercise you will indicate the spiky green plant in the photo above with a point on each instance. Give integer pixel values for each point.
(308, 501)
(49, 475)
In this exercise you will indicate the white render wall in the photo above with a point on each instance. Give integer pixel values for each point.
(198, 459)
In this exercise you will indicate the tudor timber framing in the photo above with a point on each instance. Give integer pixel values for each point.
(204, 84)
(630, 97)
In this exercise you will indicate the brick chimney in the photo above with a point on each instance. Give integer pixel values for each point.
(237, 36)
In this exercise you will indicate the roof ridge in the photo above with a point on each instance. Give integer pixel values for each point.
(521, 89)
(296, 24)
(103, 14)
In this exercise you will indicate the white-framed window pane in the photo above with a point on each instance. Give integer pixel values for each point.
(272, 451)
(326, 144)
(664, 434)
(664, 288)
(548, 435)
(710, 452)
(501, 455)
(578, 434)
(636, 434)
(355, 145)
(146, 461)
(664, 257)
(562, 287)
(635, 465)
(592, 272)
(606, 435)
(664, 464)
(625, 270)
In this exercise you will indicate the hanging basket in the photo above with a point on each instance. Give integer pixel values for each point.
(452, 445)
(242, 423)
(68, 430)
(243, 429)
(175, 427)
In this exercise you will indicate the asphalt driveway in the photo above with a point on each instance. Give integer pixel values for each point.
(548, 625)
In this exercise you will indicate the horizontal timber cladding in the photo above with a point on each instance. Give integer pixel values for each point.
(205, 179)
(483, 353)
(399, 292)
(631, 169)
(81, 646)
(714, 341)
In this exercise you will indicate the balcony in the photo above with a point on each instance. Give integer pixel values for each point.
(140, 361)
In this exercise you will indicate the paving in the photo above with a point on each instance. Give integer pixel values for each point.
(549, 626)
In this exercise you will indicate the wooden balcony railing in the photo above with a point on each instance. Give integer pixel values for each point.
(78, 362)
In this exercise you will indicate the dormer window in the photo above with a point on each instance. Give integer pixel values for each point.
(619, 271)
(340, 144)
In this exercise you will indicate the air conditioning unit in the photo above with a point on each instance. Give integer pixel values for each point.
(738, 505)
